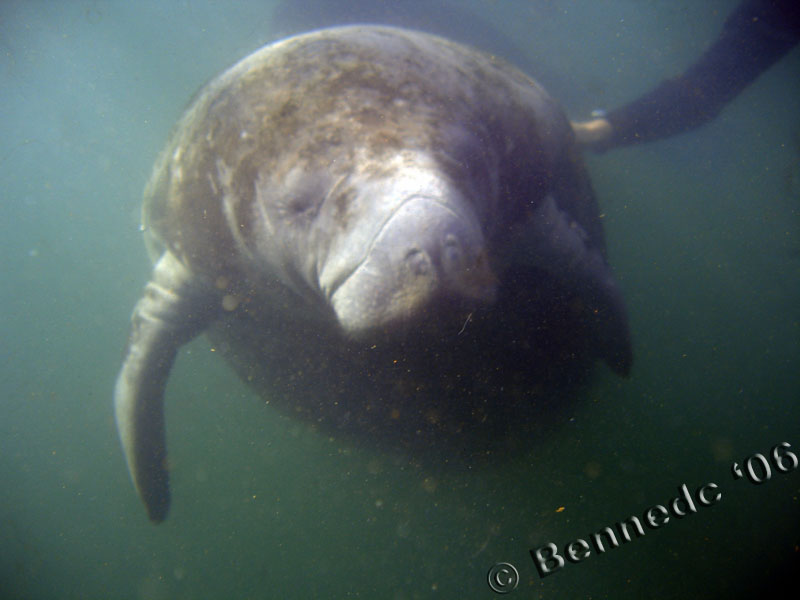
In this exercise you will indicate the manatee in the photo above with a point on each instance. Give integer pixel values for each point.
(450, 19)
(384, 232)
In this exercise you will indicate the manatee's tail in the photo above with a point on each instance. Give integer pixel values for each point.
(167, 316)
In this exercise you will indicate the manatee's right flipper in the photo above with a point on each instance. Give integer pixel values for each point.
(172, 311)
(559, 245)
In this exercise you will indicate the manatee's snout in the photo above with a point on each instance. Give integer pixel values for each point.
(426, 255)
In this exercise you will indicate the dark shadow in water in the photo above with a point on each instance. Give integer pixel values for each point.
(483, 386)
(441, 18)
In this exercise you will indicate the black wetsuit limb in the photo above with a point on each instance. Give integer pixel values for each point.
(754, 37)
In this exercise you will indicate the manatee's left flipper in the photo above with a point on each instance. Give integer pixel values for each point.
(558, 245)
(172, 311)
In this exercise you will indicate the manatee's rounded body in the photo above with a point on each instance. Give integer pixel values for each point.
(309, 119)
(384, 232)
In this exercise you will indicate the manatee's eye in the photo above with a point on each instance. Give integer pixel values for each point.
(302, 205)
(301, 195)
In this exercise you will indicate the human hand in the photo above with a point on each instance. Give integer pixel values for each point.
(592, 132)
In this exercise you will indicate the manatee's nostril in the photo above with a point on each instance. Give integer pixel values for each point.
(452, 255)
(418, 261)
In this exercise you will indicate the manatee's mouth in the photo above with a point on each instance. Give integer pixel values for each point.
(424, 254)
(340, 280)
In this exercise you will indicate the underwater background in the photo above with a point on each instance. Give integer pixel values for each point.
(703, 232)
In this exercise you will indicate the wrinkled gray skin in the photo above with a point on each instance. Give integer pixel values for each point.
(372, 209)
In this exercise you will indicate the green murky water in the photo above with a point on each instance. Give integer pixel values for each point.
(703, 232)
